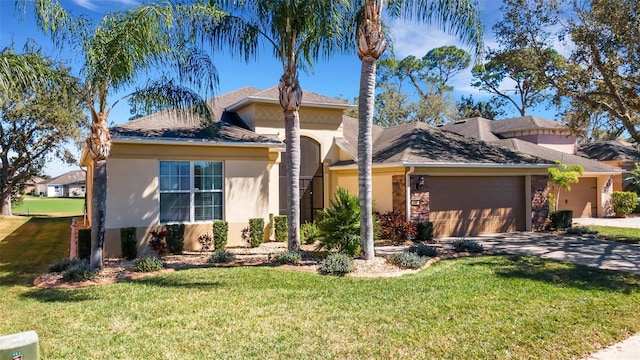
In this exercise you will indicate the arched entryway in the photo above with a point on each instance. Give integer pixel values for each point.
(311, 181)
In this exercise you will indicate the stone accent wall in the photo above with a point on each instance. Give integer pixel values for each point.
(539, 202)
(419, 199)
(399, 191)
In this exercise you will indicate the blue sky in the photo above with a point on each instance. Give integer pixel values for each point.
(337, 77)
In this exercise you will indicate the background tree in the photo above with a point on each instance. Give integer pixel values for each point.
(468, 108)
(296, 30)
(458, 16)
(39, 113)
(121, 46)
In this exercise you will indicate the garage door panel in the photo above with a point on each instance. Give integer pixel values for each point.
(461, 206)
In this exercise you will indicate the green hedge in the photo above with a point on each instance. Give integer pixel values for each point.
(84, 243)
(623, 202)
(175, 238)
(257, 231)
(561, 219)
(281, 227)
(129, 243)
(220, 233)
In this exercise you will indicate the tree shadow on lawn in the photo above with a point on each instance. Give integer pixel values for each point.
(561, 274)
(60, 295)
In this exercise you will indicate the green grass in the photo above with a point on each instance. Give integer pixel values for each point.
(502, 307)
(626, 235)
(34, 205)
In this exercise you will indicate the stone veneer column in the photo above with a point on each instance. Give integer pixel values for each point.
(399, 191)
(539, 202)
(419, 199)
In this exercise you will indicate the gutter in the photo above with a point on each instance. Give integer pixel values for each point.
(449, 165)
(194, 142)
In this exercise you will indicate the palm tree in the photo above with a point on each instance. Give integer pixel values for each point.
(121, 46)
(458, 16)
(295, 29)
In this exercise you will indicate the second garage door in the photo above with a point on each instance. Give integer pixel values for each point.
(463, 206)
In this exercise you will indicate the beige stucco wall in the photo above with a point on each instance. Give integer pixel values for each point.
(380, 180)
(133, 197)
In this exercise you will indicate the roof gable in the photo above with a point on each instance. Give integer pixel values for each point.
(71, 177)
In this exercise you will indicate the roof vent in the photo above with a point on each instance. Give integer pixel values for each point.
(460, 122)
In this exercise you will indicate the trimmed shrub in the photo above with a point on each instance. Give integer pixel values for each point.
(340, 224)
(424, 231)
(423, 250)
(206, 242)
(149, 264)
(63, 265)
(79, 272)
(407, 260)
(579, 230)
(636, 210)
(256, 226)
(561, 219)
(221, 256)
(281, 225)
(84, 243)
(309, 232)
(394, 226)
(175, 238)
(288, 257)
(129, 243)
(467, 246)
(220, 233)
(158, 243)
(336, 264)
(623, 202)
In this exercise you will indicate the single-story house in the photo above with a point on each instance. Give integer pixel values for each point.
(31, 185)
(167, 168)
(70, 184)
(552, 141)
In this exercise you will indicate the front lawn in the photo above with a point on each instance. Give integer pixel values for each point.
(489, 307)
(626, 235)
(35, 205)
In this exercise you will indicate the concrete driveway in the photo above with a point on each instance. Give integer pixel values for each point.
(628, 222)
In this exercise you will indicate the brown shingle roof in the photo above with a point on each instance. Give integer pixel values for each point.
(71, 177)
(477, 127)
(272, 94)
(609, 151)
(590, 166)
(524, 123)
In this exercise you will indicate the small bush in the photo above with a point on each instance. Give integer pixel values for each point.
(561, 219)
(206, 242)
(84, 243)
(424, 231)
(64, 264)
(340, 224)
(636, 210)
(407, 260)
(79, 272)
(337, 264)
(288, 257)
(281, 225)
(129, 242)
(309, 232)
(221, 256)
(394, 226)
(175, 238)
(149, 264)
(257, 231)
(467, 246)
(220, 234)
(579, 230)
(423, 250)
(158, 243)
(623, 202)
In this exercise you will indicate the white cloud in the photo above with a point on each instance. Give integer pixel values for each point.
(87, 4)
(106, 5)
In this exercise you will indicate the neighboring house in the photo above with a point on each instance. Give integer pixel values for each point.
(616, 153)
(71, 184)
(164, 170)
(552, 141)
(30, 185)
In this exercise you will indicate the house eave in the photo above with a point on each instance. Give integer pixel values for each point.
(255, 99)
(448, 165)
(194, 142)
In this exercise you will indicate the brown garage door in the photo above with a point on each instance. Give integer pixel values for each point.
(582, 199)
(462, 206)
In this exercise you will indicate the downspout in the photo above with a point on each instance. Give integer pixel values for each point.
(407, 182)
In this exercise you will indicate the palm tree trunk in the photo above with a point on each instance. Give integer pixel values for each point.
(99, 211)
(292, 157)
(365, 153)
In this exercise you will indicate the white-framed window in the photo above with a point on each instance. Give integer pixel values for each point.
(190, 191)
